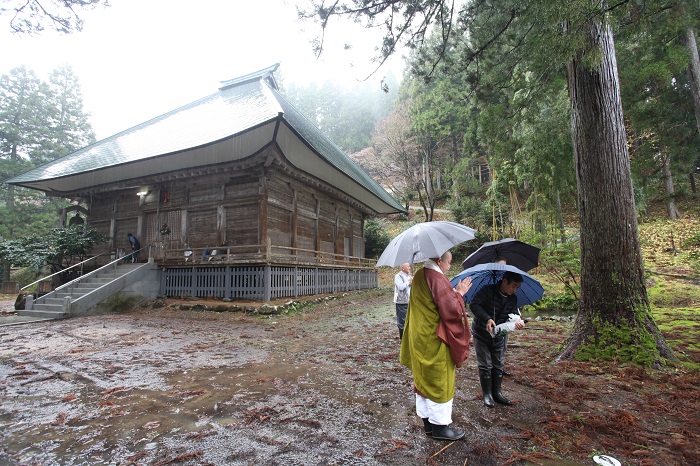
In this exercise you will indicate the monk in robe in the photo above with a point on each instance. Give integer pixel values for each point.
(435, 342)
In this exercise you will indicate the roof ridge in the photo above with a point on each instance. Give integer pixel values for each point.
(256, 75)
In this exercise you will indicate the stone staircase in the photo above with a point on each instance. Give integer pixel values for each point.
(82, 295)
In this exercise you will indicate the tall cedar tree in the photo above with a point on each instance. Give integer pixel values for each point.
(39, 122)
(614, 319)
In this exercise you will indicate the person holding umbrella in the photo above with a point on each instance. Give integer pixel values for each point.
(491, 305)
(402, 292)
(502, 260)
(435, 342)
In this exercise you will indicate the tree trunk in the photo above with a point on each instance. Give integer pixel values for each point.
(673, 212)
(560, 219)
(4, 271)
(614, 319)
(694, 71)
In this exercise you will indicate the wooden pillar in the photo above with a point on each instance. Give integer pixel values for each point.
(267, 285)
(317, 233)
(139, 226)
(294, 220)
(193, 285)
(362, 235)
(113, 234)
(296, 282)
(184, 227)
(220, 225)
(262, 210)
(337, 248)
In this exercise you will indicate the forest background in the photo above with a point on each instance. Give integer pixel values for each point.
(480, 126)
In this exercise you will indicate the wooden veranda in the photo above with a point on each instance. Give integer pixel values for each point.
(260, 272)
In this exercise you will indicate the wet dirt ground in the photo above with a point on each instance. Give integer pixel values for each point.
(320, 386)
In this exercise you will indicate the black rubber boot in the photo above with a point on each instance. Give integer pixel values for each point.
(486, 388)
(497, 377)
(446, 433)
(428, 427)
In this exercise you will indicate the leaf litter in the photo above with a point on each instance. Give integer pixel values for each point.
(322, 386)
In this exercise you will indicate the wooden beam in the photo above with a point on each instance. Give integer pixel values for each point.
(262, 209)
(295, 218)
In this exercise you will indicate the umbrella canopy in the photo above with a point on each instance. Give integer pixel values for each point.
(424, 241)
(516, 253)
(486, 274)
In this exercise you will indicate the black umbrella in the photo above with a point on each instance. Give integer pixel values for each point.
(516, 253)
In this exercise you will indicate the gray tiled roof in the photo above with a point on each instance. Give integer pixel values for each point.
(239, 106)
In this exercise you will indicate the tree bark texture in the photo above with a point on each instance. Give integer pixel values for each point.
(613, 292)
(673, 212)
(694, 71)
(560, 219)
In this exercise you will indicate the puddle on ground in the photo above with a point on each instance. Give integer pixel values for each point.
(197, 401)
(321, 387)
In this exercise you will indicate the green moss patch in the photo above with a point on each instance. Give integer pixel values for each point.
(619, 343)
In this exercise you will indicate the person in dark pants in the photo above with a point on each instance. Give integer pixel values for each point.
(402, 293)
(491, 306)
(135, 246)
(502, 260)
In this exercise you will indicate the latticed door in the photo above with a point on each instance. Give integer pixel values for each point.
(164, 231)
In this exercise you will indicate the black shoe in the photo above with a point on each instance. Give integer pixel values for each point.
(446, 433)
(506, 373)
(428, 427)
(486, 388)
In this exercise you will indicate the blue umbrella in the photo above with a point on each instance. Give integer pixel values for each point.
(486, 274)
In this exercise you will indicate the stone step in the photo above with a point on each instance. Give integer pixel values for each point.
(60, 296)
(112, 275)
(99, 280)
(43, 314)
(57, 301)
(53, 307)
(84, 288)
(48, 307)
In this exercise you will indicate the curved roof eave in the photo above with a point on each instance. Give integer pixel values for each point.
(232, 124)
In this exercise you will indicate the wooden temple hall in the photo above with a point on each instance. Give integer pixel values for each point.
(236, 195)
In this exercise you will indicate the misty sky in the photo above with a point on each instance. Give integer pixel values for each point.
(139, 59)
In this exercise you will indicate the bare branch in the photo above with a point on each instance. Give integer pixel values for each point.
(34, 16)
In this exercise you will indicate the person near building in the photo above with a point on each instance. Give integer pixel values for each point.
(491, 306)
(402, 293)
(135, 247)
(435, 342)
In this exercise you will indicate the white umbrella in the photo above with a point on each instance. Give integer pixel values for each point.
(424, 241)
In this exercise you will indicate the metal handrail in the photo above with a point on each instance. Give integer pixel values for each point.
(114, 262)
(76, 265)
(61, 271)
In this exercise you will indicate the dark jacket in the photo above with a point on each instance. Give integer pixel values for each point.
(135, 245)
(488, 303)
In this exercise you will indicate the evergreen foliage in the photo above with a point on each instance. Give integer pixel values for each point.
(39, 122)
(58, 250)
(376, 238)
(531, 91)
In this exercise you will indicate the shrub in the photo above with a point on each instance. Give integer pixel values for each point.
(26, 275)
(120, 302)
(376, 238)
